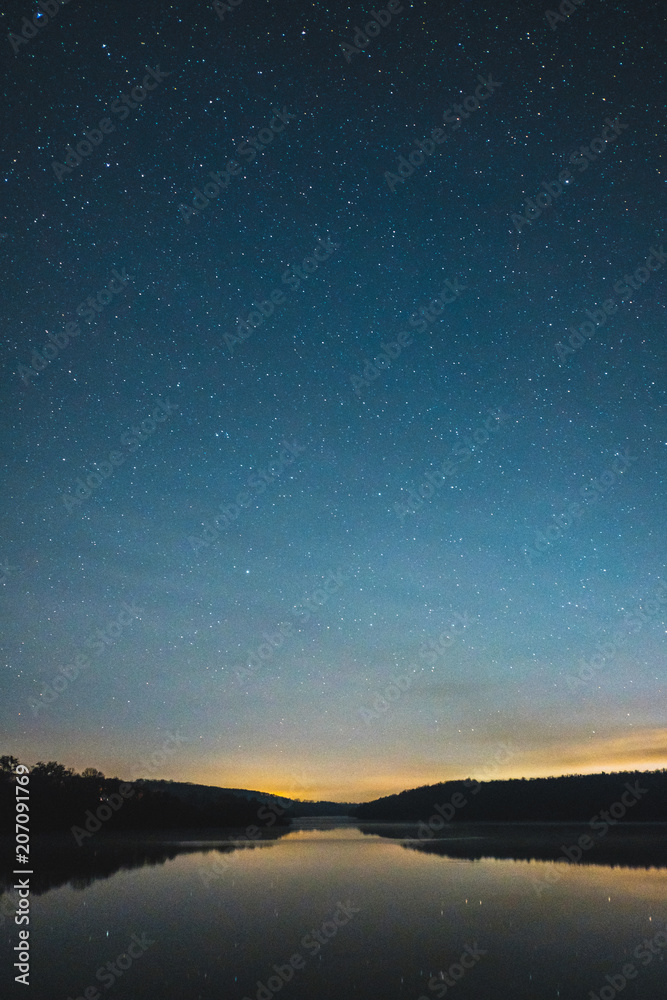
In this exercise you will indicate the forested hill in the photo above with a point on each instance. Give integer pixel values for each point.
(628, 796)
(200, 795)
(60, 799)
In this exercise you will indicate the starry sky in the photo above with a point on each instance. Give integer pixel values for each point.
(342, 479)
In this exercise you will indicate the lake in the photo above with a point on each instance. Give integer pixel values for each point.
(334, 909)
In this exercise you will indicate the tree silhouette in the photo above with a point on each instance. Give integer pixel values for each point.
(7, 765)
(61, 799)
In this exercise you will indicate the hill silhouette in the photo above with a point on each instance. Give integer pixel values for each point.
(61, 799)
(199, 794)
(628, 796)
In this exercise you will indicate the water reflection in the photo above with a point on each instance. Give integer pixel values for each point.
(334, 909)
(630, 845)
(58, 861)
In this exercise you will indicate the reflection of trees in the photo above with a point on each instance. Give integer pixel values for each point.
(628, 845)
(56, 861)
(79, 883)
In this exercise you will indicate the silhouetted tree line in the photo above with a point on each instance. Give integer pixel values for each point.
(291, 808)
(577, 797)
(60, 798)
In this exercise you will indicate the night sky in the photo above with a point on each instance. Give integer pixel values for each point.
(366, 414)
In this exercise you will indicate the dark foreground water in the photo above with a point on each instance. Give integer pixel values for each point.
(344, 912)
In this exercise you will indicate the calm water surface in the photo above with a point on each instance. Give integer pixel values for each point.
(211, 924)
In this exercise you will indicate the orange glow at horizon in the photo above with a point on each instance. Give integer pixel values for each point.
(377, 786)
(325, 774)
(641, 750)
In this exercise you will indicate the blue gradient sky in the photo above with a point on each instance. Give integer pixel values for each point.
(360, 547)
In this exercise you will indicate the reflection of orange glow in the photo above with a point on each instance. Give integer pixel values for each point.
(564, 888)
